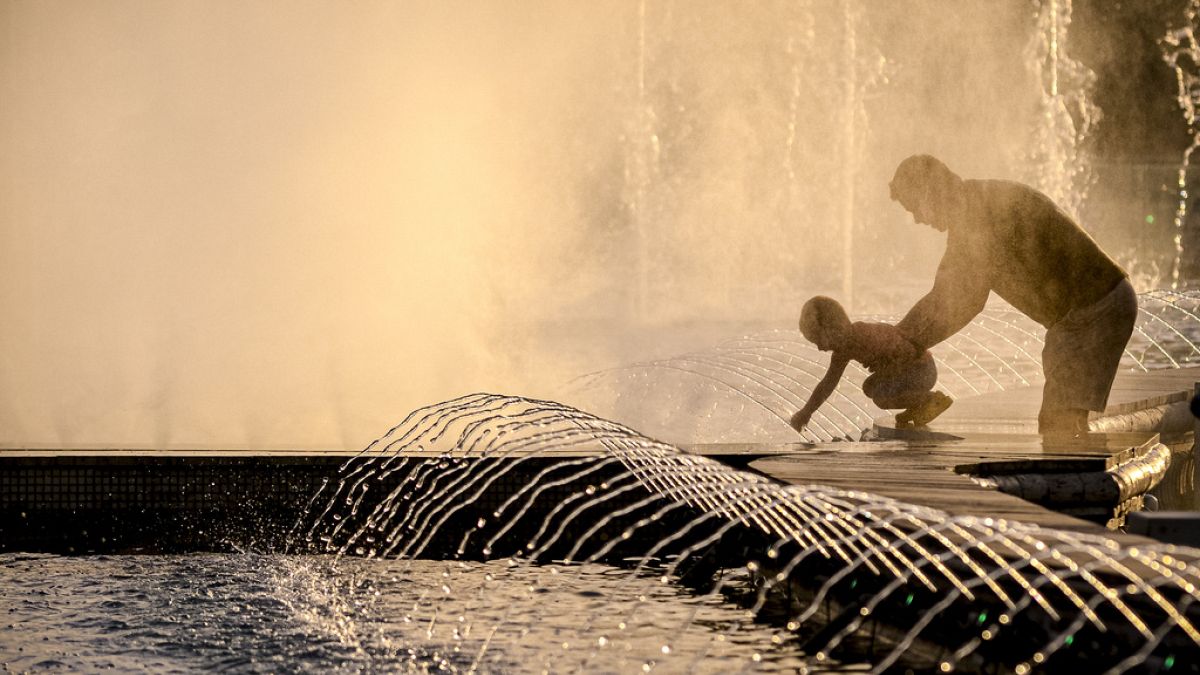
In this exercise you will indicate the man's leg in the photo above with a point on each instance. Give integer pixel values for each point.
(1081, 357)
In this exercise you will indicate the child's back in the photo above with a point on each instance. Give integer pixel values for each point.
(878, 345)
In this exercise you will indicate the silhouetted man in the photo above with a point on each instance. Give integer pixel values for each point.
(1011, 239)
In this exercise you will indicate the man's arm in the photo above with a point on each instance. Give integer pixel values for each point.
(821, 392)
(959, 293)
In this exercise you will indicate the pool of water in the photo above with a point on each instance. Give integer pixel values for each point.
(269, 613)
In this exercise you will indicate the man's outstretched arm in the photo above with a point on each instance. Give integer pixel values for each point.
(959, 293)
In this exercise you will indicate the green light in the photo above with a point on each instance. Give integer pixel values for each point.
(1170, 661)
(982, 617)
(853, 583)
(1150, 219)
(909, 599)
(1069, 640)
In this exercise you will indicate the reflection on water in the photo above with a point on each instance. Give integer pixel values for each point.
(266, 613)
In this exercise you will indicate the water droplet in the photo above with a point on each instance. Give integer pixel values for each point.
(591, 490)
(481, 522)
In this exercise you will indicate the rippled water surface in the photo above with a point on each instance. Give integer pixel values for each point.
(259, 613)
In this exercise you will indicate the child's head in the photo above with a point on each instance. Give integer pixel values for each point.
(824, 322)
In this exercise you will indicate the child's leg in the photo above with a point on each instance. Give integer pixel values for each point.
(907, 386)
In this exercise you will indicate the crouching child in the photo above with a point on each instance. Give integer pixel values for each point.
(902, 376)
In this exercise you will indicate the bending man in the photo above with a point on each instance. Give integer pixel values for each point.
(1009, 238)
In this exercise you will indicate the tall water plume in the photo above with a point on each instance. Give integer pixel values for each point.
(1060, 166)
(1182, 54)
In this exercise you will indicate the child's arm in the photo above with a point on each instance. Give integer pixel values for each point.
(821, 392)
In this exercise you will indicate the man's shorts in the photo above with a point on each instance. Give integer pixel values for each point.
(901, 386)
(1084, 348)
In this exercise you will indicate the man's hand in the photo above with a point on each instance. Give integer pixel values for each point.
(800, 419)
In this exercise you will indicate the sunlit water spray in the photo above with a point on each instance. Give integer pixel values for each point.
(746, 389)
(835, 574)
(1059, 166)
(527, 498)
(1182, 54)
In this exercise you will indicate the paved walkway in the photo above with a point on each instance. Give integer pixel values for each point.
(920, 466)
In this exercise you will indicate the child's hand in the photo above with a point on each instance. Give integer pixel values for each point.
(800, 419)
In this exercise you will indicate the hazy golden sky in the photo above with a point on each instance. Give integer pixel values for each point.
(260, 223)
(286, 224)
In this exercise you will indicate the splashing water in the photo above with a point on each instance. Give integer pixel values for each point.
(843, 574)
(1067, 113)
(1182, 54)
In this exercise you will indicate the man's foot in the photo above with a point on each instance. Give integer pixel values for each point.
(921, 415)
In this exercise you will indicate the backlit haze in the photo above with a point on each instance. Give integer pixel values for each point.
(287, 224)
